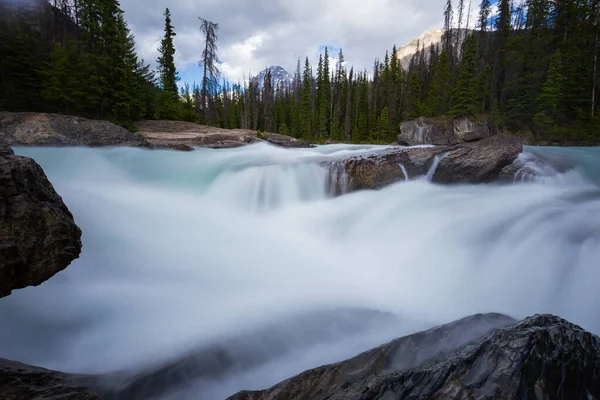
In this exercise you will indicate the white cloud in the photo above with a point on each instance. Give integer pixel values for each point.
(258, 33)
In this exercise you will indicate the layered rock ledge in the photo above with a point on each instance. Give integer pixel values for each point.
(40, 129)
(477, 162)
(182, 135)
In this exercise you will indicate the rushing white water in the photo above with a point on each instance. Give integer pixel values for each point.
(185, 249)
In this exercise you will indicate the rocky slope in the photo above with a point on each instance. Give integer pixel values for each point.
(38, 236)
(477, 162)
(39, 129)
(542, 357)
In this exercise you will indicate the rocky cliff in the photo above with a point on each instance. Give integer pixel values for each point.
(39, 129)
(38, 236)
(439, 131)
(543, 357)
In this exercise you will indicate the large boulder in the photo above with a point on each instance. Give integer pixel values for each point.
(476, 162)
(543, 357)
(39, 129)
(38, 236)
(439, 131)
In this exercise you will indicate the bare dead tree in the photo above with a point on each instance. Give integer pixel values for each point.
(210, 59)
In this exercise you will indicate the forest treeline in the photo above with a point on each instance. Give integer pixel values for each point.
(530, 67)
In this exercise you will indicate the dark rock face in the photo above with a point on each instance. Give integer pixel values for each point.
(37, 129)
(542, 357)
(19, 381)
(441, 132)
(38, 236)
(477, 162)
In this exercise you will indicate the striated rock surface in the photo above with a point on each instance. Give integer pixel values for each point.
(180, 135)
(39, 129)
(543, 357)
(438, 131)
(38, 236)
(477, 162)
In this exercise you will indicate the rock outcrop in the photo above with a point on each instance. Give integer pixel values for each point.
(542, 357)
(477, 162)
(20, 381)
(39, 129)
(438, 131)
(38, 236)
(181, 135)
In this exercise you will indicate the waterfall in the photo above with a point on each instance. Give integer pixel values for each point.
(184, 250)
(404, 171)
(434, 165)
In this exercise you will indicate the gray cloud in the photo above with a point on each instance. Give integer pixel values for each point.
(257, 33)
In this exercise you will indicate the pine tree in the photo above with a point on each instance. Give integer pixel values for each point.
(167, 72)
(306, 104)
(465, 99)
(61, 86)
(384, 128)
(413, 107)
(552, 91)
(438, 95)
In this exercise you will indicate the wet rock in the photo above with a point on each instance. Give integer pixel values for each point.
(19, 381)
(40, 129)
(38, 236)
(542, 357)
(476, 162)
(377, 170)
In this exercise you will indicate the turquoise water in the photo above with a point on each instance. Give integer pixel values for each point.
(183, 249)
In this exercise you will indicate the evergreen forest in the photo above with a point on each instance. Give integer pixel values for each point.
(531, 67)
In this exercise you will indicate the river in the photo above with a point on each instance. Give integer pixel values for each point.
(185, 250)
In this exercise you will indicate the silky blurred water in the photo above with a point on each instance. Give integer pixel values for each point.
(182, 249)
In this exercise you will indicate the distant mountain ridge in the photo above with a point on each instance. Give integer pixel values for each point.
(425, 39)
(278, 76)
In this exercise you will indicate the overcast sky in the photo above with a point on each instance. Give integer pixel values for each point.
(259, 33)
